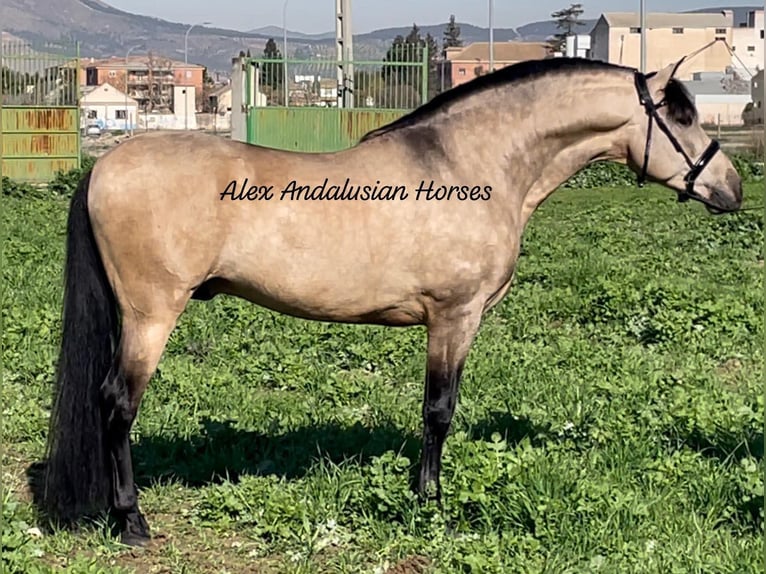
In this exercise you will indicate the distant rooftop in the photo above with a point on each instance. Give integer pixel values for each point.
(668, 20)
(135, 62)
(503, 51)
(712, 83)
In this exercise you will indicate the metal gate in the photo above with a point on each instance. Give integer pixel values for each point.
(39, 110)
(300, 105)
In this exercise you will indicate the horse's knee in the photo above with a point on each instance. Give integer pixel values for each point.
(438, 417)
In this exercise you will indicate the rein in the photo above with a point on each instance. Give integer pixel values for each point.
(695, 168)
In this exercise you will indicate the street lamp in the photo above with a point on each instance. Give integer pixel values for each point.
(284, 48)
(491, 38)
(127, 55)
(642, 24)
(186, 61)
(186, 40)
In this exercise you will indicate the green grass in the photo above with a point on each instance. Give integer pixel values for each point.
(610, 417)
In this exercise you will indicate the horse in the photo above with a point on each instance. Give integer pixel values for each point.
(417, 224)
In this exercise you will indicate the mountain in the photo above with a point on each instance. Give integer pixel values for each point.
(541, 31)
(276, 32)
(103, 31)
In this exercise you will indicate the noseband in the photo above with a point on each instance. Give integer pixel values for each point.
(695, 168)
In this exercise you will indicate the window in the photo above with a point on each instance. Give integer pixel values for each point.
(120, 114)
(461, 71)
(720, 30)
(761, 34)
(92, 114)
(635, 30)
(751, 48)
(112, 73)
(678, 30)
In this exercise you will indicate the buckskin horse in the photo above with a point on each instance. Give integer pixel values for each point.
(158, 222)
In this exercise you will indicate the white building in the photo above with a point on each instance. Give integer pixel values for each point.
(720, 99)
(747, 43)
(578, 46)
(109, 108)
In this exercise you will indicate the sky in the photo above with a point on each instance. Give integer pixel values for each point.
(315, 16)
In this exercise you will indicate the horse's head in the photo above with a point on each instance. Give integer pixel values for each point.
(669, 146)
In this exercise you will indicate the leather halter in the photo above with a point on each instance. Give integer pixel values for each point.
(695, 168)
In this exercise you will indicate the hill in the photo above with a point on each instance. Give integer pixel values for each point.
(103, 30)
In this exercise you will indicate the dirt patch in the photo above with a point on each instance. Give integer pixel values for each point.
(410, 565)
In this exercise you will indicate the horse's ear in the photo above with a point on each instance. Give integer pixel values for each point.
(658, 80)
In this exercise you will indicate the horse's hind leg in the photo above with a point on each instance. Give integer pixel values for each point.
(141, 346)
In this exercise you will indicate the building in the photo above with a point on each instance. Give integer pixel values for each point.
(720, 98)
(466, 63)
(757, 91)
(747, 43)
(220, 100)
(150, 78)
(616, 38)
(109, 108)
(578, 46)
(754, 112)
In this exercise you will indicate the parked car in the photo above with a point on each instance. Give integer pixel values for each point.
(92, 129)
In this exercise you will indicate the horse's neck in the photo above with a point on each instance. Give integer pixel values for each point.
(544, 132)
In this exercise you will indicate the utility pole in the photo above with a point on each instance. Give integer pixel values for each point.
(642, 24)
(491, 37)
(127, 55)
(345, 53)
(284, 51)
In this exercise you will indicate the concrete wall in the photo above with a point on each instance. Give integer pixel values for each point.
(664, 47)
(238, 95)
(724, 108)
(184, 105)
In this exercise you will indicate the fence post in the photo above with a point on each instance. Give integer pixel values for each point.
(424, 74)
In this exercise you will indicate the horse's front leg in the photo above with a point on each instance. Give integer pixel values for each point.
(450, 336)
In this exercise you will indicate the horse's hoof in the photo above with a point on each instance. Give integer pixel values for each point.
(134, 539)
(135, 530)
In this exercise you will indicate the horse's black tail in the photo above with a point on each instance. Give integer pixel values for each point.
(78, 471)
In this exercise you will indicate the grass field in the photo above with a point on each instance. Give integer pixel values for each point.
(610, 417)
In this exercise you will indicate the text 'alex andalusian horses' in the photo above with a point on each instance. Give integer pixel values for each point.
(418, 224)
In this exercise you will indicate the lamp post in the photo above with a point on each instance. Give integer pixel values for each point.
(284, 49)
(491, 38)
(642, 24)
(127, 55)
(186, 61)
(186, 40)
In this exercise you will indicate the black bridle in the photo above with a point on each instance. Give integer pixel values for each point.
(695, 168)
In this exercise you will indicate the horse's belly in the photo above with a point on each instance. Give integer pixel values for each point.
(348, 298)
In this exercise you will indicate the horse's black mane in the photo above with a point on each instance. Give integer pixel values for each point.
(680, 106)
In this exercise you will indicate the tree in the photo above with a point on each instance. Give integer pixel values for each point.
(273, 72)
(567, 19)
(433, 66)
(409, 51)
(451, 37)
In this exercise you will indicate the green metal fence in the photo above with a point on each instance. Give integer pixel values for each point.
(39, 110)
(314, 105)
